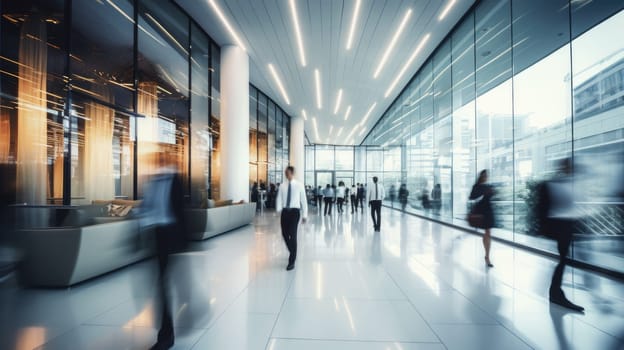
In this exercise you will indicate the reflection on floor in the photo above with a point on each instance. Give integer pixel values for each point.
(415, 285)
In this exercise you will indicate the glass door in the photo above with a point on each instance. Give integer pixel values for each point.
(324, 177)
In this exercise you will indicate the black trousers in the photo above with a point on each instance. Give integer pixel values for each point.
(376, 213)
(164, 246)
(289, 221)
(361, 199)
(328, 205)
(354, 203)
(562, 231)
(340, 204)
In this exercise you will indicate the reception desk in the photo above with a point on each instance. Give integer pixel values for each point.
(63, 256)
(206, 223)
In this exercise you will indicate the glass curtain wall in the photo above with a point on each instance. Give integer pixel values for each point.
(85, 104)
(269, 139)
(515, 88)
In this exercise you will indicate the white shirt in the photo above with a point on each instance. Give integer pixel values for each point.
(370, 192)
(298, 198)
(340, 191)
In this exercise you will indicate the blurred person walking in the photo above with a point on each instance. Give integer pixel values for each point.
(292, 204)
(393, 194)
(361, 194)
(482, 215)
(319, 198)
(403, 194)
(328, 197)
(557, 218)
(374, 197)
(162, 211)
(340, 196)
(255, 195)
(353, 199)
(436, 198)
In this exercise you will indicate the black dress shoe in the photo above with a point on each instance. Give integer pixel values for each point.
(163, 344)
(560, 299)
(290, 267)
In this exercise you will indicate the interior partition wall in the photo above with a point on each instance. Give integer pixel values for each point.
(515, 88)
(91, 90)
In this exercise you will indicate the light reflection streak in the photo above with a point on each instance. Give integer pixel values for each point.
(319, 280)
(162, 29)
(349, 316)
(424, 275)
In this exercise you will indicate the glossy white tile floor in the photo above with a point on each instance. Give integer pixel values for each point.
(415, 285)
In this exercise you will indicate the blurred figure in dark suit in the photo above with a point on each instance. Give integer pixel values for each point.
(162, 212)
(483, 192)
(557, 216)
(255, 195)
(403, 194)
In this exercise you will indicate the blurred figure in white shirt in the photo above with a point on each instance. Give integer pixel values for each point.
(292, 204)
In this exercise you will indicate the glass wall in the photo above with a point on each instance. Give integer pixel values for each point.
(516, 87)
(269, 137)
(83, 110)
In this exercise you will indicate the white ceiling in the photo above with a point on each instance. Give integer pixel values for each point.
(267, 30)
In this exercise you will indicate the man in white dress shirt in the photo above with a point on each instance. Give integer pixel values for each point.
(375, 194)
(292, 204)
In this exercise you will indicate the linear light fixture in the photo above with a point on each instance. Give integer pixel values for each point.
(354, 19)
(339, 131)
(279, 83)
(446, 10)
(295, 17)
(362, 132)
(351, 133)
(368, 113)
(226, 23)
(348, 112)
(331, 128)
(407, 64)
(338, 100)
(305, 115)
(393, 42)
(315, 128)
(317, 79)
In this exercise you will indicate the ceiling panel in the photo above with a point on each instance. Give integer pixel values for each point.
(266, 27)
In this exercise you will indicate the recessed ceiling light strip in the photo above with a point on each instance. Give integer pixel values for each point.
(317, 80)
(368, 113)
(347, 113)
(315, 128)
(406, 65)
(354, 19)
(279, 83)
(226, 23)
(352, 132)
(446, 10)
(393, 42)
(293, 11)
(305, 115)
(338, 101)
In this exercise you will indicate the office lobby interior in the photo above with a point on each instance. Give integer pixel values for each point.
(148, 150)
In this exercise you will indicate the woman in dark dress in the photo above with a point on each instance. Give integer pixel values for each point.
(484, 207)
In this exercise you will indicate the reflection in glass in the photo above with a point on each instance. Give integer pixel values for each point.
(598, 110)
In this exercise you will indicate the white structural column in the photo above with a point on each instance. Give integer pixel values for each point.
(234, 123)
(297, 142)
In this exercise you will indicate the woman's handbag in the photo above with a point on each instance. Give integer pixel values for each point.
(475, 217)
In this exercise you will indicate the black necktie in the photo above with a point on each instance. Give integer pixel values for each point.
(376, 195)
(288, 196)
